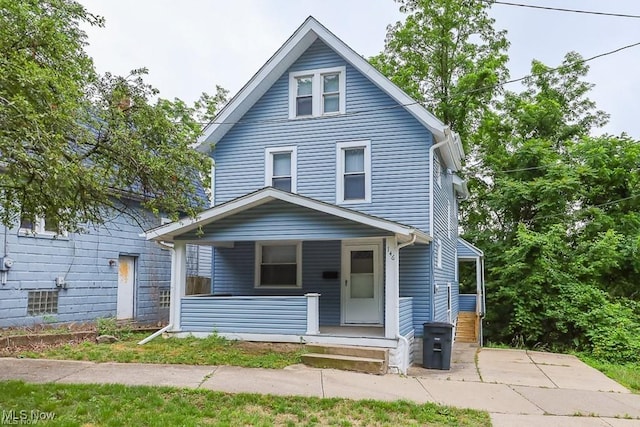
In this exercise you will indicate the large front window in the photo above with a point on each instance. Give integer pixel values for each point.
(314, 93)
(278, 264)
(353, 181)
(280, 168)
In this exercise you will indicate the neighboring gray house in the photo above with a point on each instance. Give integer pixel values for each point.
(110, 270)
(335, 209)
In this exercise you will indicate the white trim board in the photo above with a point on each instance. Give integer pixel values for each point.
(168, 232)
(286, 55)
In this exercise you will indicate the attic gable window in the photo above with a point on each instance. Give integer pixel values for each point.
(315, 93)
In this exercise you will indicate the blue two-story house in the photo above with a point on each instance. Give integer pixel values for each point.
(335, 208)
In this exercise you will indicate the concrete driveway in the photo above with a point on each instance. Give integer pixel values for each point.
(518, 388)
(560, 388)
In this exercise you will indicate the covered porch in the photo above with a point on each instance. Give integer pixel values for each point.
(471, 304)
(287, 268)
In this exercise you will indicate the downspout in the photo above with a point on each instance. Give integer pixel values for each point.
(409, 243)
(405, 364)
(171, 295)
(432, 150)
(484, 302)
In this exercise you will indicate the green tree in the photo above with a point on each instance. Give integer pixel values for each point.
(557, 212)
(448, 56)
(73, 142)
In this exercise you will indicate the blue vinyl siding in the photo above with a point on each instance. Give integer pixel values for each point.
(415, 279)
(465, 251)
(406, 316)
(467, 302)
(234, 274)
(83, 259)
(253, 315)
(278, 220)
(399, 145)
(449, 239)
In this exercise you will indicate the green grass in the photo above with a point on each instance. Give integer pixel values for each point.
(628, 374)
(117, 405)
(213, 350)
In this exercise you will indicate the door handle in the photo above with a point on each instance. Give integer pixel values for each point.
(346, 283)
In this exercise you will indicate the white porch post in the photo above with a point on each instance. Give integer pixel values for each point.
(392, 289)
(313, 314)
(478, 286)
(178, 283)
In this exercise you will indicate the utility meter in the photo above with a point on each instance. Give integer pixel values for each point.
(6, 263)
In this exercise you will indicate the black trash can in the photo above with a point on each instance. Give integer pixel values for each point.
(436, 345)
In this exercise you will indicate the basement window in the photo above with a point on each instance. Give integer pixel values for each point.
(42, 302)
(165, 298)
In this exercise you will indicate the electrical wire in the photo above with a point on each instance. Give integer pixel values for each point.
(560, 9)
(372, 110)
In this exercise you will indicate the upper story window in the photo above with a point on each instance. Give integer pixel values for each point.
(41, 226)
(353, 180)
(278, 264)
(316, 93)
(437, 172)
(280, 165)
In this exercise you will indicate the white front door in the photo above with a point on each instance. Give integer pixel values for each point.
(361, 284)
(126, 286)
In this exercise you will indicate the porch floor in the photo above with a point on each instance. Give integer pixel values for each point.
(353, 331)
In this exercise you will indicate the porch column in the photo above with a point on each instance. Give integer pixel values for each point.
(478, 286)
(313, 314)
(392, 289)
(178, 283)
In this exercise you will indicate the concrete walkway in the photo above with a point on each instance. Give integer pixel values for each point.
(518, 388)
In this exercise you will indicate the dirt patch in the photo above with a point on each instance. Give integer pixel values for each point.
(268, 347)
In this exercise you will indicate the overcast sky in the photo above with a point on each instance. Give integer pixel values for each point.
(189, 46)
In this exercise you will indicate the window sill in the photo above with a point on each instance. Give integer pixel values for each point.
(46, 236)
(354, 202)
(321, 116)
(290, 287)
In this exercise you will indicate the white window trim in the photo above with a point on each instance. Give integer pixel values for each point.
(449, 303)
(39, 230)
(438, 253)
(316, 91)
(449, 221)
(258, 261)
(340, 149)
(268, 165)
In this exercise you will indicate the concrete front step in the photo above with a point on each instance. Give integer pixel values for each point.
(345, 350)
(348, 363)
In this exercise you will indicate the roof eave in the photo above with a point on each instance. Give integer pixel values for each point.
(284, 57)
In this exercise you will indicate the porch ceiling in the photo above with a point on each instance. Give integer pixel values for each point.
(271, 214)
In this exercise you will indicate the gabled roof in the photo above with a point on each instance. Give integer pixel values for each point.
(170, 231)
(296, 45)
(467, 250)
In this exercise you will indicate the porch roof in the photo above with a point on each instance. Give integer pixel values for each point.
(467, 251)
(185, 228)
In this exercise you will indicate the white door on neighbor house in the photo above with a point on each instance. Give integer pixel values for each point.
(126, 287)
(362, 290)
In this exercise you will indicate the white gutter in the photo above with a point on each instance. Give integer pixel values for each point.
(171, 296)
(411, 242)
(431, 180)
